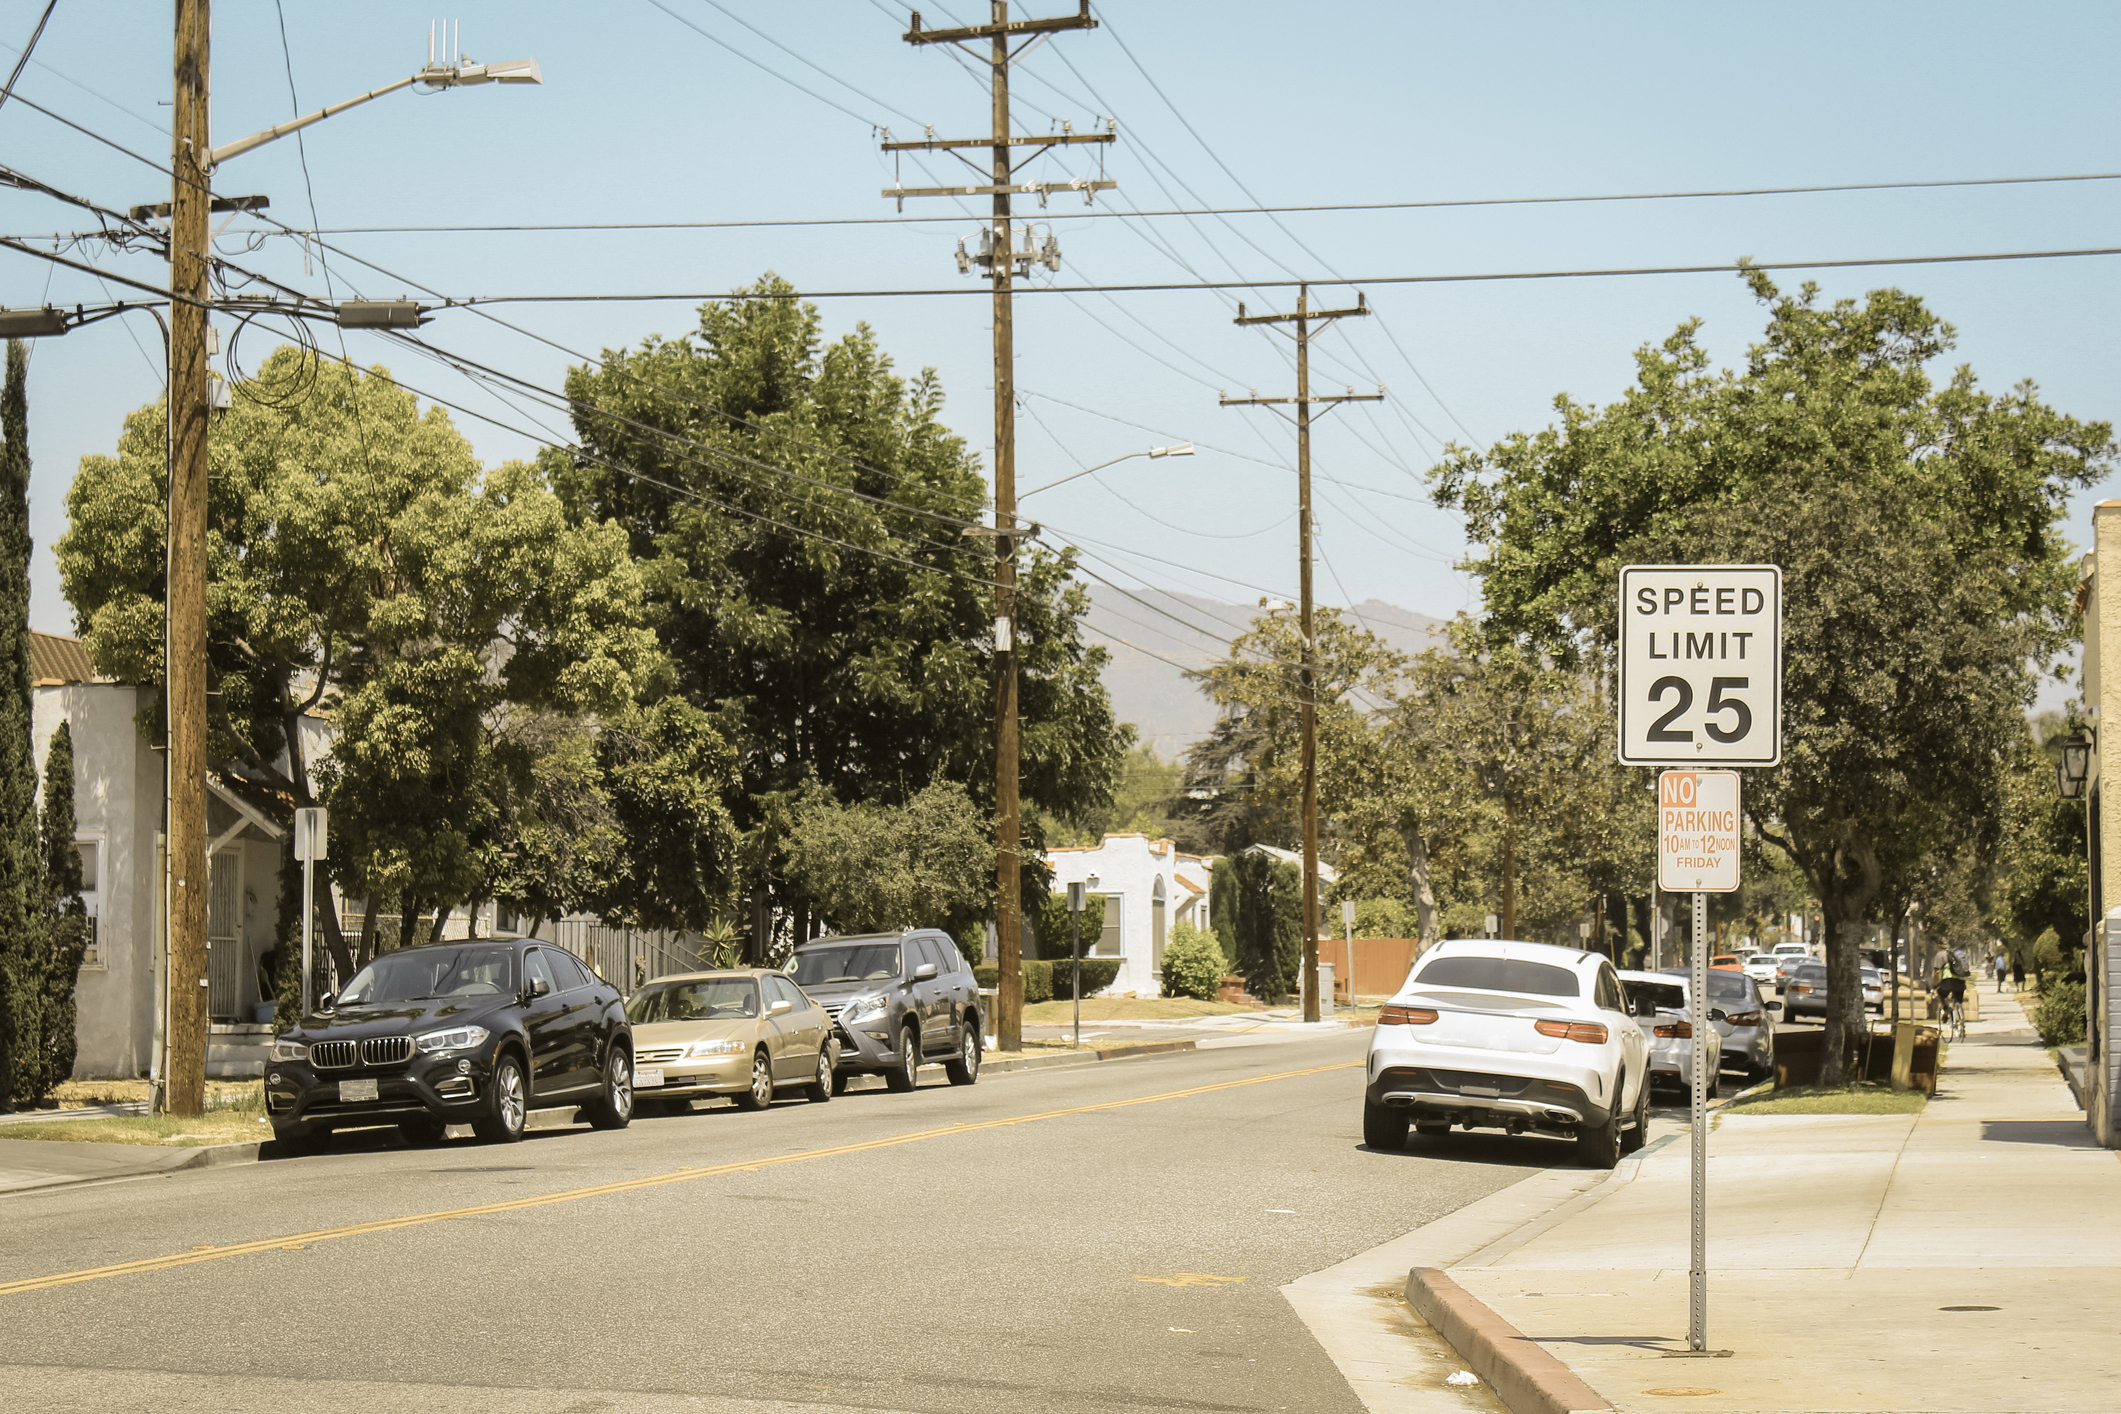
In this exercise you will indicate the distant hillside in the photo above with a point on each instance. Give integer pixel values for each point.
(1192, 632)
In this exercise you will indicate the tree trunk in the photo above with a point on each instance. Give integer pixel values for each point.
(434, 934)
(342, 958)
(367, 949)
(1509, 870)
(1418, 874)
(1842, 904)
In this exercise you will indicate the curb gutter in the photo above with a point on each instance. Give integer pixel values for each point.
(1522, 1374)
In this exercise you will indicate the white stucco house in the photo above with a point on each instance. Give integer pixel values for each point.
(1149, 887)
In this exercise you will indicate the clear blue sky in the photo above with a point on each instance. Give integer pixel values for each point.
(642, 118)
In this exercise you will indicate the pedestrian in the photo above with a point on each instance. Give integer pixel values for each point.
(2017, 973)
(1999, 974)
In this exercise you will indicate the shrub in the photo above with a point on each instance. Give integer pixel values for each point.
(2060, 1016)
(1038, 978)
(1098, 974)
(1193, 964)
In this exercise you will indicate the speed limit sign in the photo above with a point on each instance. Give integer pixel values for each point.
(1700, 665)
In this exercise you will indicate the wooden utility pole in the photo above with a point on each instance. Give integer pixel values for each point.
(1002, 256)
(184, 676)
(1304, 319)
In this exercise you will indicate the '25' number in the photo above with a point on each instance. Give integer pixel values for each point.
(1718, 704)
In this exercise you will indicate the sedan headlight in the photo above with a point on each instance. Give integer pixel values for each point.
(861, 1009)
(460, 1038)
(290, 1050)
(701, 1049)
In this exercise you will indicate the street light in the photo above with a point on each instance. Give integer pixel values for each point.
(2075, 767)
(1181, 449)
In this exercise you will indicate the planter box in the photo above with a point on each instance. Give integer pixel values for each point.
(1800, 1053)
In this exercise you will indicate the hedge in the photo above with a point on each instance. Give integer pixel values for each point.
(2060, 1016)
(1193, 964)
(1038, 978)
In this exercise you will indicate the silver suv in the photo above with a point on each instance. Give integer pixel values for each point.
(897, 1000)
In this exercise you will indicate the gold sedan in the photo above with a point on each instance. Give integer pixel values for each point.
(735, 1031)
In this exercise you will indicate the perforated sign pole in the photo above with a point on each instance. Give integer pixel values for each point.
(1706, 1044)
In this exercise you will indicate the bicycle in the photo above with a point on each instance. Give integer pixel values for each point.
(1951, 992)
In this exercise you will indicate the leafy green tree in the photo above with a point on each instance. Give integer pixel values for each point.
(1917, 525)
(1193, 964)
(879, 868)
(62, 916)
(2044, 870)
(364, 566)
(1142, 801)
(1269, 922)
(24, 939)
(1054, 926)
(796, 507)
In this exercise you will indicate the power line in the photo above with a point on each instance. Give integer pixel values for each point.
(713, 38)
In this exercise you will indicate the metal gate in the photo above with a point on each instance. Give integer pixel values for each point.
(224, 942)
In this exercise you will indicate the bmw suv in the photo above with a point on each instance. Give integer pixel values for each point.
(479, 1033)
(897, 1000)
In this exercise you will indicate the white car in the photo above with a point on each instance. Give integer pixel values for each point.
(1659, 1006)
(1506, 1035)
(1760, 967)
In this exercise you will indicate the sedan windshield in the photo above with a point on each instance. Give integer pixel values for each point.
(422, 973)
(855, 962)
(701, 999)
(1501, 974)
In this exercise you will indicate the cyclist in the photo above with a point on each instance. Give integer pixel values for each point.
(1951, 991)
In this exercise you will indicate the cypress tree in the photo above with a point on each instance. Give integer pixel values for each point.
(23, 950)
(65, 916)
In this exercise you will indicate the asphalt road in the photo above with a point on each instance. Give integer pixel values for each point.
(1121, 1254)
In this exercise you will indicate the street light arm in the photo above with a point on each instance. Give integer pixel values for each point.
(1183, 449)
(461, 76)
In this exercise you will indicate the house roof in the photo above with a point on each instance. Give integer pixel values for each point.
(1190, 885)
(56, 659)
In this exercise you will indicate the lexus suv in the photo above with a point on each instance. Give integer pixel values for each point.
(896, 1000)
(1514, 1036)
(479, 1033)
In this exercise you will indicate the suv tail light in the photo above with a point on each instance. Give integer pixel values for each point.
(1680, 1030)
(1405, 1016)
(1743, 1018)
(1589, 1032)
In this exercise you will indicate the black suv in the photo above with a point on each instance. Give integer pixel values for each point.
(479, 1033)
(896, 1000)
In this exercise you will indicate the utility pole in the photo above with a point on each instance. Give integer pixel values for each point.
(1001, 254)
(184, 674)
(1304, 319)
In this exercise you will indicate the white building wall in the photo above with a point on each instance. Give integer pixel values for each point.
(1128, 868)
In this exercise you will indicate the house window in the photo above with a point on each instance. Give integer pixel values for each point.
(1111, 942)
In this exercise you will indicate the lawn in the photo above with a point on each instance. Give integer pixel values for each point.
(81, 1094)
(167, 1131)
(1819, 1100)
(1129, 1009)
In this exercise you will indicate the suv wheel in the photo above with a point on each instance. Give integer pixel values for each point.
(614, 1108)
(509, 1105)
(1383, 1127)
(906, 1070)
(965, 1069)
(823, 1087)
(1600, 1147)
(1635, 1138)
(760, 1095)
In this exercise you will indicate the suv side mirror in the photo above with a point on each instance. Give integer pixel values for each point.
(925, 972)
(778, 1007)
(539, 986)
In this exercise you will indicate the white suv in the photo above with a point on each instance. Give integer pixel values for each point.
(1512, 1036)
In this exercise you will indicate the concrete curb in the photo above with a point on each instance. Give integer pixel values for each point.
(1522, 1374)
(205, 1156)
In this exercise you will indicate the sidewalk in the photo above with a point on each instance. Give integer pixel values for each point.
(1836, 1245)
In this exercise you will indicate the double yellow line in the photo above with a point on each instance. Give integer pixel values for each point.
(574, 1195)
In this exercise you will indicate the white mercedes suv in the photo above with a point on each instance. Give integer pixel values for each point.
(1505, 1035)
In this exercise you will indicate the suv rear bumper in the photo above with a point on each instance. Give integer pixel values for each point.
(1553, 1106)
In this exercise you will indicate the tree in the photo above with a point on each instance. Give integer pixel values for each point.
(1269, 921)
(2044, 882)
(797, 507)
(1918, 530)
(24, 940)
(880, 868)
(61, 915)
(363, 565)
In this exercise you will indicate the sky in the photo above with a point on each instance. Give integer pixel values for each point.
(667, 112)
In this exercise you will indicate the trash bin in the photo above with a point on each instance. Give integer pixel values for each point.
(990, 998)
(1325, 989)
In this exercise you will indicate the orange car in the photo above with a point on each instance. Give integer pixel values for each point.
(1728, 960)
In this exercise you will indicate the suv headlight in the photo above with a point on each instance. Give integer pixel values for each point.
(714, 1048)
(461, 1038)
(861, 1009)
(290, 1050)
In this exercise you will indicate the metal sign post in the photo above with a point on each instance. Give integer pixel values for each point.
(1699, 684)
(310, 828)
(1075, 946)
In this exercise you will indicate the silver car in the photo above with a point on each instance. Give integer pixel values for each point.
(1741, 1018)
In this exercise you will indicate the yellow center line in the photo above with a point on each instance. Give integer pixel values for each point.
(571, 1195)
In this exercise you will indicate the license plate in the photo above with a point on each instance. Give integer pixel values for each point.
(1487, 1092)
(647, 1078)
(353, 1091)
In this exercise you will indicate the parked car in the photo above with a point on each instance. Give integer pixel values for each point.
(1786, 969)
(1805, 992)
(1658, 1005)
(738, 1032)
(898, 1000)
(1874, 990)
(1488, 1033)
(479, 1032)
(1744, 1020)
